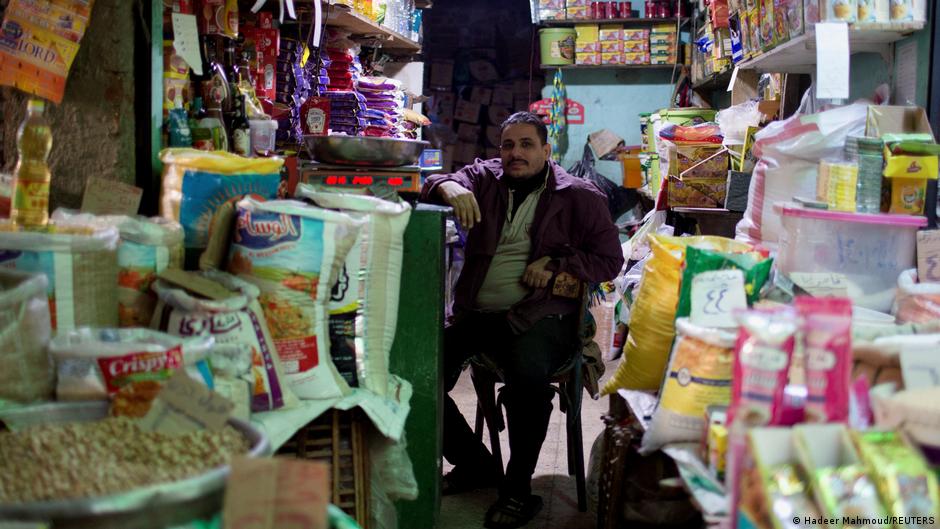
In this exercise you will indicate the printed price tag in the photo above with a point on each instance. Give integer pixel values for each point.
(821, 284)
(110, 197)
(715, 297)
(272, 493)
(185, 405)
(920, 367)
(928, 256)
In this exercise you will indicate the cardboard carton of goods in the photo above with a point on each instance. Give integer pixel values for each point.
(588, 59)
(641, 57)
(611, 46)
(840, 11)
(611, 33)
(588, 38)
(615, 57)
(636, 46)
(636, 34)
(662, 38)
(908, 174)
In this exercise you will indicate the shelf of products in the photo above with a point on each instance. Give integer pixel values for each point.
(632, 21)
(798, 55)
(341, 17)
(715, 81)
(611, 66)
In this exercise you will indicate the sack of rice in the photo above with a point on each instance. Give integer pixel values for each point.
(148, 246)
(293, 253)
(25, 369)
(364, 302)
(235, 320)
(80, 263)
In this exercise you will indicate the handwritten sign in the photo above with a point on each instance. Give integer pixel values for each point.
(821, 284)
(272, 493)
(715, 297)
(185, 405)
(920, 366)
(110, 197)
(928, 256)
(186, 40)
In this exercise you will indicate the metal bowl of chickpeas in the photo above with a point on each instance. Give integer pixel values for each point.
(71, 465)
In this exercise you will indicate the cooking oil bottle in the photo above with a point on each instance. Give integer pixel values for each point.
(31, 176)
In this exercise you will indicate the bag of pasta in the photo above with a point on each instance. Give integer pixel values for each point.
(293, 253)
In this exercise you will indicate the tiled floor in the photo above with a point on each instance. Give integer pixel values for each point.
(551, 480)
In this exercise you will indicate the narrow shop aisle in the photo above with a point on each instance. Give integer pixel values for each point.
(551, 480)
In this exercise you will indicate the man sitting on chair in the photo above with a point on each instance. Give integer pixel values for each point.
(533, 231)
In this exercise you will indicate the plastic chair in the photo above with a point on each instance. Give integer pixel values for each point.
(567, 382)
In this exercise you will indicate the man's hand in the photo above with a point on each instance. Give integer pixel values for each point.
(536, 276)
(462, 200)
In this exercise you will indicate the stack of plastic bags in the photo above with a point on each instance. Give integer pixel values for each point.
(293, 88)
(346, 109)
(385, 105)
(344, 68)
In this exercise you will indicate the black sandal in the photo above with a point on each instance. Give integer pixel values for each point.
(518, 511)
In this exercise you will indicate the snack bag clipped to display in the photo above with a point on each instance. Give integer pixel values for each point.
(652, 316)
(364, 301)
(235, 323)
(94, 364)
(755, 266)
(762, 359)
(908, 487)
(294, 253)
(699, 375)
(827, 342)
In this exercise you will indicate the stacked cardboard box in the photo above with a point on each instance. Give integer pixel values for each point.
(636, 46)
(551, 9)
(611, 37)
(578, 9)
(664, 44)
(587, 44)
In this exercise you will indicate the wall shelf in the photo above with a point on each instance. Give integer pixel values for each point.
(798, 55)
(612, 66)
(715, 81)
(359, 26)
(625, 21)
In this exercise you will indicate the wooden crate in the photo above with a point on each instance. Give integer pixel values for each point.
(338, 438)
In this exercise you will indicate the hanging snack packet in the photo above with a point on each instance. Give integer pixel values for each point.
(827, 340)
(762, 359)
(906, 483)
(294, 253)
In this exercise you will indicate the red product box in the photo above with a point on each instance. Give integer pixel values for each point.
(266, 45)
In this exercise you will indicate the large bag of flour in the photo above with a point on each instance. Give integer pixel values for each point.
(294, 253)
(364, 302)
(80, 263)
(26, 372)
(147, 247)
(234, 322)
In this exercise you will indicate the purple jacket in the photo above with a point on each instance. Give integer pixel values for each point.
(571, 225)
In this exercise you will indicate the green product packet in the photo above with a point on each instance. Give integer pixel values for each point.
(756, 273)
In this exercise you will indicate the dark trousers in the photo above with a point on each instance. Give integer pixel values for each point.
(527, 360)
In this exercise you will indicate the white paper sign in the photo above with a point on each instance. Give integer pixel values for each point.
(832, 60)
(734, 77)
(186, 40)
(715, 297)
(920, 367)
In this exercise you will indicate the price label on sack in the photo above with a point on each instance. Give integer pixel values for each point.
(184, 405)
(928, 256)
(715, 297)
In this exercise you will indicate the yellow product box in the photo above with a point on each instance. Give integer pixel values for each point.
(577, 3)
(663, 28)
(636, 45)
(612, 58)
(611, 32)
(910, 166)
(636, 58)
(588, 38)
(610, 46)
(663, 48)
(591, 58)
(635, 34)
(579, 13)
(908, 196)
(587, 47)
(717, 448)
(663, 60)
(662, 38)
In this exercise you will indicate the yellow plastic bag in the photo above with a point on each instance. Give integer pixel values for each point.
(652, 320)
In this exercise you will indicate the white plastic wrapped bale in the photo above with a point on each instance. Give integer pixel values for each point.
(236, 323)
(698, 376)
(93, 364)
(148, 246)
(293, 253)
(917, 302)
(26, 372)
(365, 308)
(80, 264)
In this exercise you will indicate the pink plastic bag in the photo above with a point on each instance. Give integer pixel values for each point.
(762, 357)
(827, 341)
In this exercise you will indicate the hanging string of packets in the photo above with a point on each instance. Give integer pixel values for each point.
(556, 114)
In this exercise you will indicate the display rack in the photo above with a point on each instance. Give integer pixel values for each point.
(715, 81)
(611, 66)
(359, 26)
(625, 21)
(798, 55)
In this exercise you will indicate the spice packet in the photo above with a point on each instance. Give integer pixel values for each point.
(763, 353)
(907, 485)
(789, 499)
(827, 340)
(849, 494)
